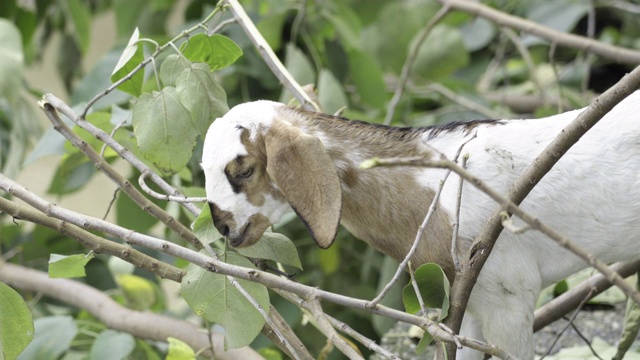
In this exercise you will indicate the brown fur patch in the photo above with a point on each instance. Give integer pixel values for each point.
(382, 206)
(299, 165)
(259, 183)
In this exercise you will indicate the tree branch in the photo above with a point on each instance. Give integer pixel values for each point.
(615, 53)
(140, 324)
(408, 64)
(558, 307)
(93, 242)
(269, 57)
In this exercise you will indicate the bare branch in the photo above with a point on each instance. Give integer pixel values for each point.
(615, 53)
(324, 325)
(180, 199)
(408, 64)
(140, 324)
(97, 244)
(556, 308)
(270, 57)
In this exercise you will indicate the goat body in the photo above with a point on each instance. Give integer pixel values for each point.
(263, 159)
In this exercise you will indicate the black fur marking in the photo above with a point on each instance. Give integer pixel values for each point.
(232, 181)
(465, 126)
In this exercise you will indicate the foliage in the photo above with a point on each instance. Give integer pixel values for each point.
(352, 52)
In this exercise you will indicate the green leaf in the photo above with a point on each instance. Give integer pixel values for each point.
(101, 120)
(200, 93)
(179, 350)
(329, 259)
(171, 68)
(387, 40)
(99, 78)
(217, 51)
(53, 336)
(131, 57)
(330, 93)
(477, 33)
(204, 228)
(165, 130)
(368, 79)
(112, 345)
(559, 15)
(213, 297)
(300, 69)
(434, 288)
(442, 53)
(130, 215)
(16, 323)
(73, 173)
(11, 59)
(78, 12)
(276, 247)
(71, 266)
(139, 292)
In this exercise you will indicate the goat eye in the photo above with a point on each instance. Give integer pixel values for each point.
(245, 174)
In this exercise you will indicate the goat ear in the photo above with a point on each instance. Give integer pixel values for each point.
(304, 173)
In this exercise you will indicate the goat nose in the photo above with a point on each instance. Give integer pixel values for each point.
(225, 231)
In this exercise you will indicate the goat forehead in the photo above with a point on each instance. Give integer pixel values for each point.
(223, 143)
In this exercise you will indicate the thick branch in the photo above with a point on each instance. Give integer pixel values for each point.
(615, 53)
(558, 307)
(140, 324)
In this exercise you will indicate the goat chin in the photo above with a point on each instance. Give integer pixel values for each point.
(263, 159)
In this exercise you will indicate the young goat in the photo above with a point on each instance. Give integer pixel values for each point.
(263, 159)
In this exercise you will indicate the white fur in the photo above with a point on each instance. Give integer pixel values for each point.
(222, 144)
(592, 195)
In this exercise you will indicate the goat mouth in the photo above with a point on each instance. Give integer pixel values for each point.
(237, 241)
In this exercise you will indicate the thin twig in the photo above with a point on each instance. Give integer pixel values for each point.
(528, 61)
(324, 325)
(416, 289)
(270, 57)
(615, 53)
(456, 223)
(179, 199)
(570, 323)
(408, 64)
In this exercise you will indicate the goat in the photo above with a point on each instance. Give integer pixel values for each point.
(263, 159)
